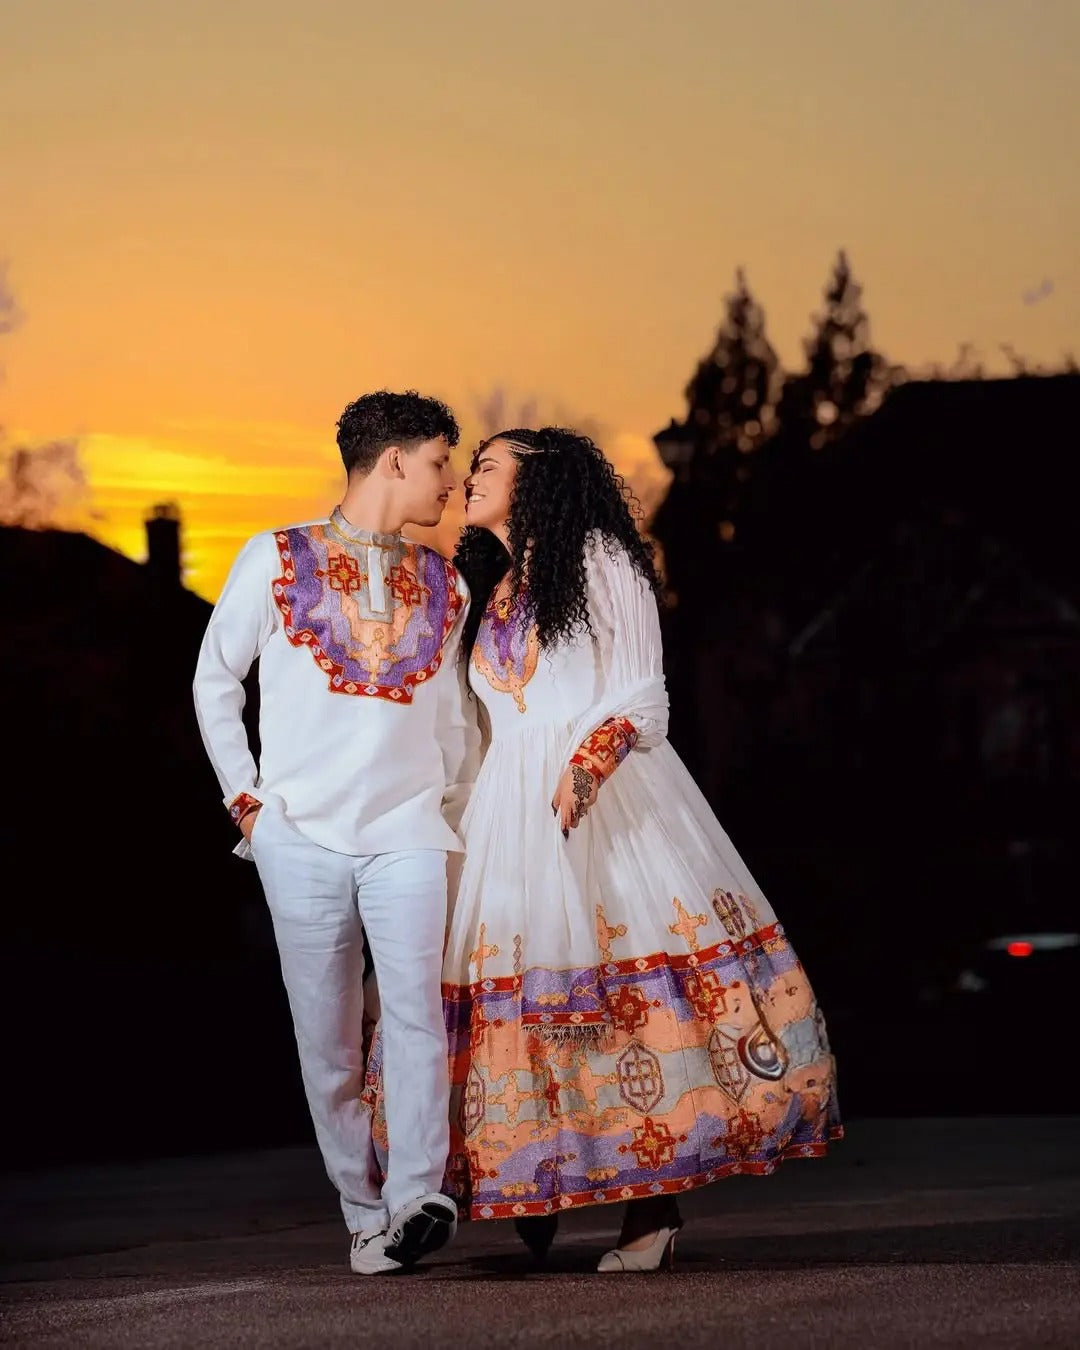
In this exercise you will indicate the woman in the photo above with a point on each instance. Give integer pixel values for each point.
(627, 1019)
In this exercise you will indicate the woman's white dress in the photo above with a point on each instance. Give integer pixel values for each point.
(625, 1014)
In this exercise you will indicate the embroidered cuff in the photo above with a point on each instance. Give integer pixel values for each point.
(241, 805)
(605, 749)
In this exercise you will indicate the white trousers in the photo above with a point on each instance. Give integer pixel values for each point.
(322, 903)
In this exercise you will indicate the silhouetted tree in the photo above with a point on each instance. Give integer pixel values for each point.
(731, 402)
(967, 365)
(10, 314)
(497, 410)
(711, 456)
(35, 481)
(732, 394)
(845, 378)
(802, 504)
(38, 482)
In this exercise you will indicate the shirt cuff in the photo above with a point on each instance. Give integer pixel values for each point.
(241, 805)
(605, 749)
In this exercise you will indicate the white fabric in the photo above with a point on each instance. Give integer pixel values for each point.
(357, 775)
(650, 839)
(319, 901)
(629, 650)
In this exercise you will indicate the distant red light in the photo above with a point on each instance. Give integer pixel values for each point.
(1019, 948)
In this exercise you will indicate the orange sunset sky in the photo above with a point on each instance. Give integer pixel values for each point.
(224, 220)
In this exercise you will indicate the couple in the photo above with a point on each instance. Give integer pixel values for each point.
(624, 1017)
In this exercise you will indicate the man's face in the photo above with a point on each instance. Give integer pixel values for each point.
(427, 481)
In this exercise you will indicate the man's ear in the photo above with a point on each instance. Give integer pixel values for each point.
(394, 457)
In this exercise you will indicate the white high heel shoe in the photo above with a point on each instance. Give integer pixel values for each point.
(659, 1254)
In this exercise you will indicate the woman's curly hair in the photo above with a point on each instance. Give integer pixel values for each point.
(565, 490)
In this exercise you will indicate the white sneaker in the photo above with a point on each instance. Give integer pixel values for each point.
(367, 1256)
(421, 1226)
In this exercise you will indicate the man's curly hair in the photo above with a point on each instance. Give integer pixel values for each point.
(565, 490)
(368, 425)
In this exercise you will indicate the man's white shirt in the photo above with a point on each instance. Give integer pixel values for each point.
(368, 739)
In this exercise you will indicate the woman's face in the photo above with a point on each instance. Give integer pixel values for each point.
(490, 485)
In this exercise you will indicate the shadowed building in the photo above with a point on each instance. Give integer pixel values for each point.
(138, 965)
(876, 679)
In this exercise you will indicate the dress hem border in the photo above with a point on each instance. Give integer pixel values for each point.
(479, 1211)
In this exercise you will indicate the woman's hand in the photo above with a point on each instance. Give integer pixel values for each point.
(575, 794)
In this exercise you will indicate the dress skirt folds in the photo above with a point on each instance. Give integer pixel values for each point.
(625, 1014)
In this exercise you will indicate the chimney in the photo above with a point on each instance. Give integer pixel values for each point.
(163, 546)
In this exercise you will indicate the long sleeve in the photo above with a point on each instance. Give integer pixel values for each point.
(457, 728)
(631, 711)
(240, 625)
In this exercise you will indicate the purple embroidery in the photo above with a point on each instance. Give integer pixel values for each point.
(506, 649)
(324, 598)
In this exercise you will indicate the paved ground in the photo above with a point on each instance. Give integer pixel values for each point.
(912, 1233)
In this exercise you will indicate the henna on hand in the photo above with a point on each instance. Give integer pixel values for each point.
(582, 785)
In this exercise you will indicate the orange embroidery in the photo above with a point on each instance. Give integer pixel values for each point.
(606, 933)
(686, 925)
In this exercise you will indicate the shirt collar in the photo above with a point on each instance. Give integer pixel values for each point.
(356, 535)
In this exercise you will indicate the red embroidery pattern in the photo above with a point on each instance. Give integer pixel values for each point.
(629, 1008)
(653, 1144)
(341, 573)
(404, 587)
(707, 995)
(605, 749)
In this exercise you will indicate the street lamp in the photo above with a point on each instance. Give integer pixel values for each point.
(675, 445)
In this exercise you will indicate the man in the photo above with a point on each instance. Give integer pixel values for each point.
(366, 750)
